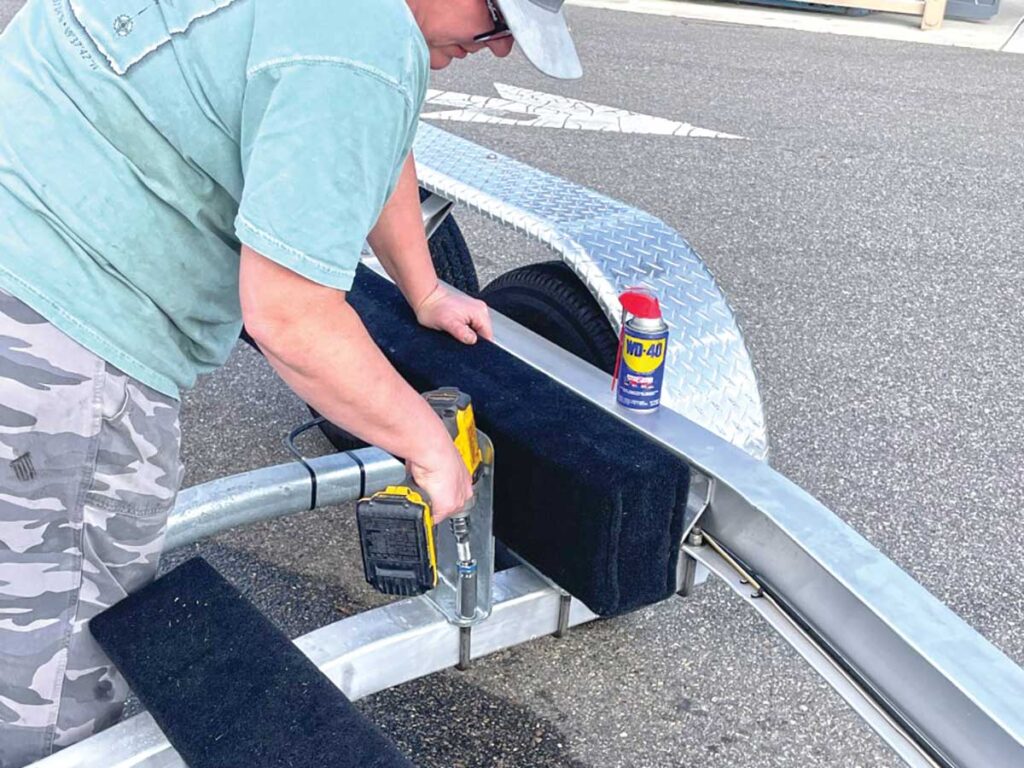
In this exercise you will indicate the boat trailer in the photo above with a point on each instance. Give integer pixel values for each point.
(933, 689)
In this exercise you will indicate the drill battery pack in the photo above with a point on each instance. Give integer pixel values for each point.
(397, 538)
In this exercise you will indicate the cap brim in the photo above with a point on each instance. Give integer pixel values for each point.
(543, 36)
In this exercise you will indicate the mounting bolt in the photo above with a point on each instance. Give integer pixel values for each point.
(696, 537)
(465, 649)
(564, 609)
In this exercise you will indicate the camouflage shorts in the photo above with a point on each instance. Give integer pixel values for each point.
(89, 470)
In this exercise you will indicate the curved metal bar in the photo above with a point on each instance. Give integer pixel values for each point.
(709, 377)
(263, 494)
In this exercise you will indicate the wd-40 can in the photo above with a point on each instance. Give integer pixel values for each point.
(640, 366)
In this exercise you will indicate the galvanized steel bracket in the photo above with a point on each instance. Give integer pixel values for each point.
(445, 596)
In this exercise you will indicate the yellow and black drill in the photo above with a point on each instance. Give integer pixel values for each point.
(396, 530)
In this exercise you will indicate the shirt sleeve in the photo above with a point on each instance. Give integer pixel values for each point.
(322, 144)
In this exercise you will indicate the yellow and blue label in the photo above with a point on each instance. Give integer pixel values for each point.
(643, 355)
(642, 369)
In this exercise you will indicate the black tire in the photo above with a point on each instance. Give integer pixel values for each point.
(452, 260)
(550, 300)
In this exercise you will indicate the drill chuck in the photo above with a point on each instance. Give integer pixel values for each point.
(460, 529)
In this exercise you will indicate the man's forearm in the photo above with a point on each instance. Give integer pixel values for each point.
(316, 342)
(399, 241)
(347, 379)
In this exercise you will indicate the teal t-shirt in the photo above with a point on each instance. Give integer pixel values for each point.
(141, 142)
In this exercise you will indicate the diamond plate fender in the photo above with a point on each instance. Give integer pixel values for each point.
(709, 377)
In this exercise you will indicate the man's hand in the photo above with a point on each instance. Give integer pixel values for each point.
(459, 315)
(400, 243)
(445, 479)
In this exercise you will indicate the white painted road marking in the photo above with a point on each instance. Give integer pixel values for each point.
(536, 109)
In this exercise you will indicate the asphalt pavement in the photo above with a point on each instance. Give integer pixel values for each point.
(866, 235)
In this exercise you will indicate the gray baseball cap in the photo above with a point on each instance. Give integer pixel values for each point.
(541, 32)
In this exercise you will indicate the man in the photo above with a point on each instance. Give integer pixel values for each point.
(168, 171)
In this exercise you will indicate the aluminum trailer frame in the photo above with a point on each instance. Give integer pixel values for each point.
(934, 689)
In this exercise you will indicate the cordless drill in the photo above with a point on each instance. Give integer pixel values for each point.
(396, 530)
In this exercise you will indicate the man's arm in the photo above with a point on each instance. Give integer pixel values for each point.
(398, 240)
(321, 349)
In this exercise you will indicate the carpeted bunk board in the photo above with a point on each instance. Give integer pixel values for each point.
(593, 504)
(228, 688)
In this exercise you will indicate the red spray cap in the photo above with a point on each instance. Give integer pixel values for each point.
(640, 302)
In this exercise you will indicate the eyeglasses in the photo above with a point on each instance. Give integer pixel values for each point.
(500, 26)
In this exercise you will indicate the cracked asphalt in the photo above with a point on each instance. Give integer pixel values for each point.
(867, 236)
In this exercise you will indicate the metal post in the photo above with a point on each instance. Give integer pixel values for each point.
(686, 579)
